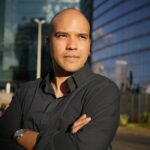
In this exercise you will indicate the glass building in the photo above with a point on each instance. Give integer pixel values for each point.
(121, 41)
(18, 36)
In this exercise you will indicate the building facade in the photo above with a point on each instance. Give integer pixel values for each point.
(120, 41)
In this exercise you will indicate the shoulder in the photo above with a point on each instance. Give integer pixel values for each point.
(101, 94)
(26, 91)
(102, 85)
(28, 87)
(102, 82)
(31, 84)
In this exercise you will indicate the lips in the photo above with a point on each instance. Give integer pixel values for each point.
(71, 57)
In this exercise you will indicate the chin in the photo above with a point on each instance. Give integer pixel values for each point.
(72, 69)
(67, 68)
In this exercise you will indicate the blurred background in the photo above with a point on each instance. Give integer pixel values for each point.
(120, 50)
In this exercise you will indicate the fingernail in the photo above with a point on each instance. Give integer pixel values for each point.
(89, 118)
(84, 115)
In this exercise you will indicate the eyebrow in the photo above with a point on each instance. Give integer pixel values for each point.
(62, 32)
(84, 34)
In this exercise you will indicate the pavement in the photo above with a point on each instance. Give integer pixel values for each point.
(131, 139)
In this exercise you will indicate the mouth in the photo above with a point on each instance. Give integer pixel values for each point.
(71, 57)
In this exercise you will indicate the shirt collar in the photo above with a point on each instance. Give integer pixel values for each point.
(75, 81)
(46, 86)
(82, 75)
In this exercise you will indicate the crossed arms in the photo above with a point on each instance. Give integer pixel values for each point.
(96, 134)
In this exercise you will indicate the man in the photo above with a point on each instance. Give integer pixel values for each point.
(72, 108)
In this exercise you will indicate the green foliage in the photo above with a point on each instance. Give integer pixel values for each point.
(145, 117)
(124, 119)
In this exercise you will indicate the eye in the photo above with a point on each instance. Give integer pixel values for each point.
(61, 35)
(83, 36)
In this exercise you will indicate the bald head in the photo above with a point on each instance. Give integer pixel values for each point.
(67, 15)
(69, 41)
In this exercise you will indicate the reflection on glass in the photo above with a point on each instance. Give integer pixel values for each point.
(18, 36)
(121, 31)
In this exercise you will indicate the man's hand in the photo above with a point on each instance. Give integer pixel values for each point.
(79, 123)
(28, 139)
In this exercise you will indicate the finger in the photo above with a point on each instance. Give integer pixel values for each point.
(78, 127)
(82, 117)
(80, 120)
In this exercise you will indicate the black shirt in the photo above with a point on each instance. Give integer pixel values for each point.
(35, 107)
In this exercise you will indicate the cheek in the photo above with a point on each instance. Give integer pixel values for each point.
(57, 47)
(85, 49)
(57, 55)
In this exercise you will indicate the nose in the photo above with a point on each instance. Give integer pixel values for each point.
(71, 44)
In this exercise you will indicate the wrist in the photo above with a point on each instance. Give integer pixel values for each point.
(19, 133)
(26, 138)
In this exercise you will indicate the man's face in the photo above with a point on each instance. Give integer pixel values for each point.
(70, 42)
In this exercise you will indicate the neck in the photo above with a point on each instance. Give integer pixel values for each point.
(59, 84)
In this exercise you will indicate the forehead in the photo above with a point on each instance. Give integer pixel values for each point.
(71, 21)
